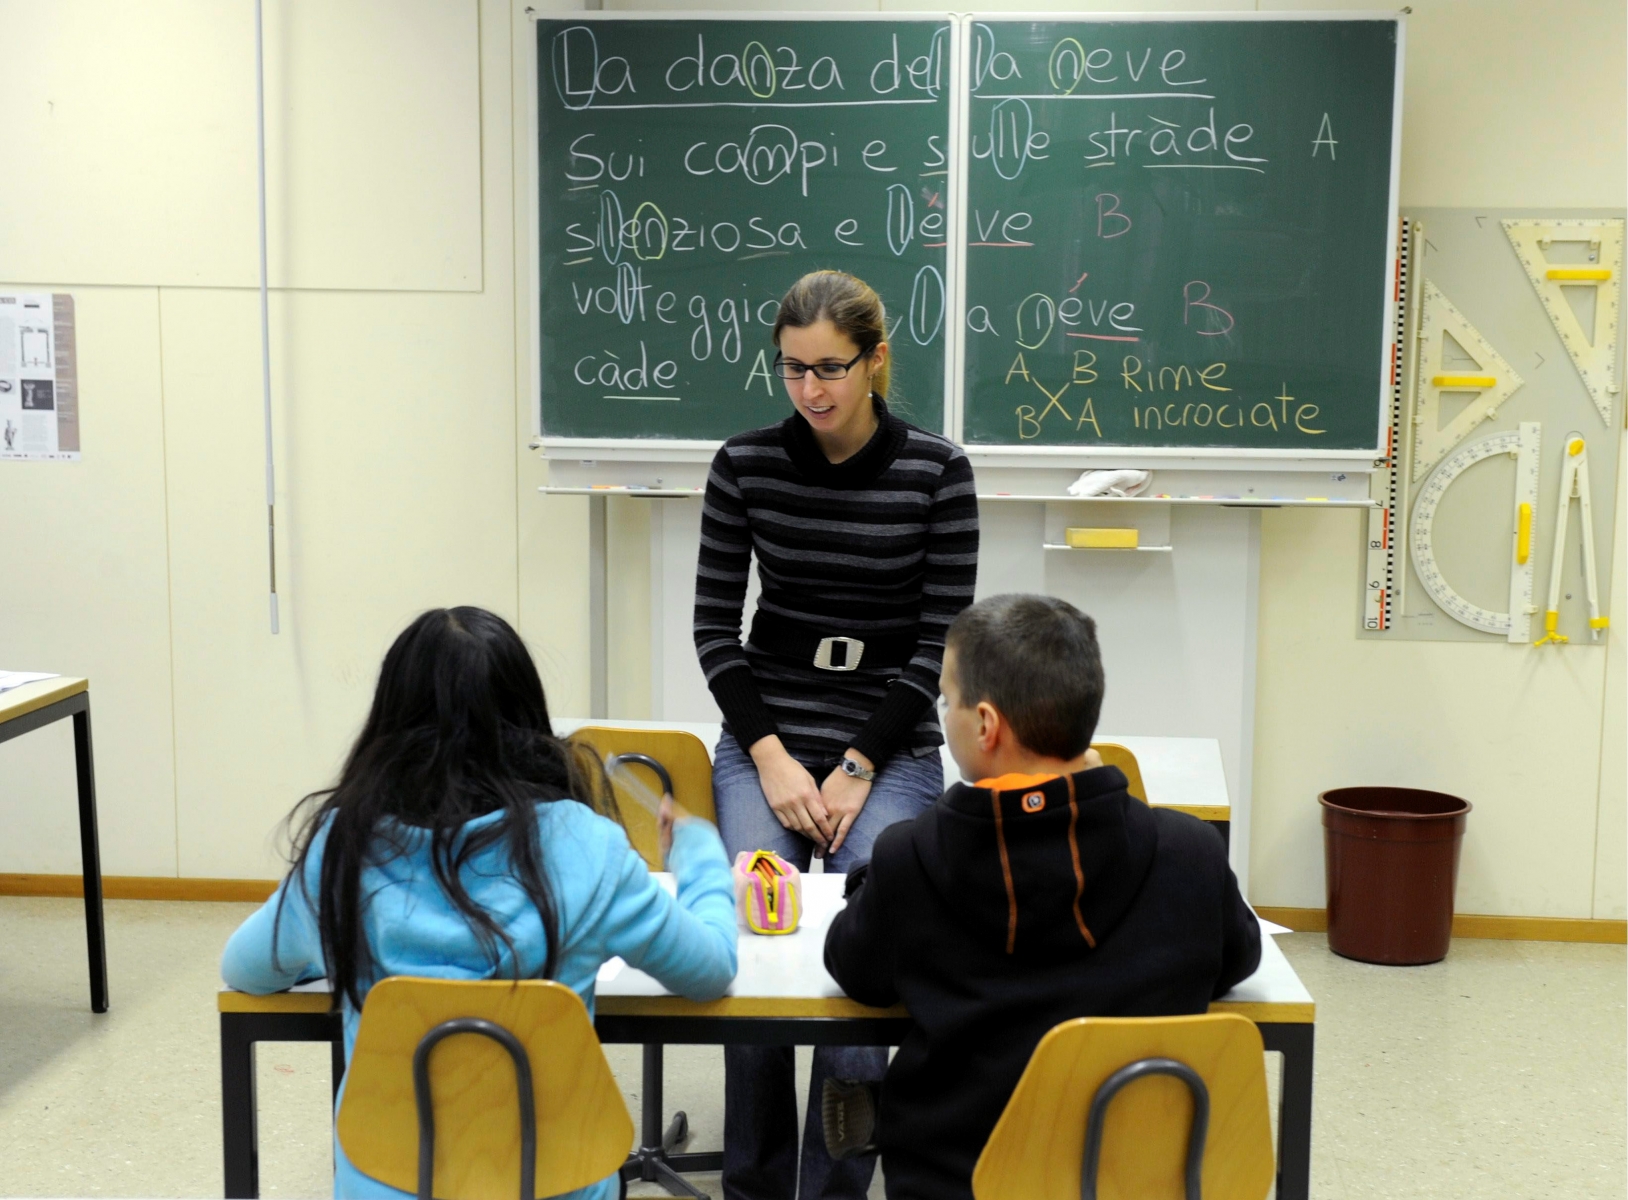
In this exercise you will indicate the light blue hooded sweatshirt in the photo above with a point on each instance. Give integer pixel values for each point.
(606, 900)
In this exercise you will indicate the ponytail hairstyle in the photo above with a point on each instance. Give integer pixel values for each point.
(849, 303)
(459, 729)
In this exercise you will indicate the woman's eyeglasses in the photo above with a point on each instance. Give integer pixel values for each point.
(828, 371)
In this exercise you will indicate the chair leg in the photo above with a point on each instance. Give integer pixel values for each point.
(648, 1163)
(675, 1183)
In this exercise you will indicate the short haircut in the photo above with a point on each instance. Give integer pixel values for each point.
(1035, 658)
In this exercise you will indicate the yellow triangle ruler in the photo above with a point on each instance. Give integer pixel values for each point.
(1492, 381)
(1523, 445)
(1593, 351)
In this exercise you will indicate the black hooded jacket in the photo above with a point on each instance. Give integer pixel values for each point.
(1001, 912)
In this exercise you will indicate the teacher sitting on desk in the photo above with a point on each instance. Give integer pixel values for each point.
(866, 535)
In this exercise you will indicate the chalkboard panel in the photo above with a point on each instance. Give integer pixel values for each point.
(690, 170)
(1178, 232)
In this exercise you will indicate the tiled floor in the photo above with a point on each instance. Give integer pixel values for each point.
(1500, 1073)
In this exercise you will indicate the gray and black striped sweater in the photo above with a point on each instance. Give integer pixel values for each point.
(886, 540)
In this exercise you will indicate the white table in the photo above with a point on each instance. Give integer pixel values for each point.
(785, 976)
(781, 995)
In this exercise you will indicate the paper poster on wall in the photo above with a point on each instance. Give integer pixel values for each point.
(39, 378)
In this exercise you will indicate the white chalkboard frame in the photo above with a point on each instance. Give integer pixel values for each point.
(668, 450)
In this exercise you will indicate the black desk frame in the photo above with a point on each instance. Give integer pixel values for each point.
(239, 1031)
(77, 706)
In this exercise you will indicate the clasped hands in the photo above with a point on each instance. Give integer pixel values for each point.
(821, 812)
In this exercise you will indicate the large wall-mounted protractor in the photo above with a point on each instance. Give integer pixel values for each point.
(1523, 445)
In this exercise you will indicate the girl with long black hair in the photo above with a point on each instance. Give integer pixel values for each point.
(465, 841)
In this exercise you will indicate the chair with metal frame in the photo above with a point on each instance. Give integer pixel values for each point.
(445, 1122)
(681, 763)
(1115, 755)
(1141, 1108)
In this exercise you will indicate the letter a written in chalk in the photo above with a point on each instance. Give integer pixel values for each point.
(1325, 137)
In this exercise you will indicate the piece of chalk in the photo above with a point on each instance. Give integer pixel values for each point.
(1464, 381)
(1581, 274)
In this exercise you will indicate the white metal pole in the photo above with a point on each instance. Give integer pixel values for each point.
(265, 310)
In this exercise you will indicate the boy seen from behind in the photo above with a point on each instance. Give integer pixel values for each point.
(1041, 893)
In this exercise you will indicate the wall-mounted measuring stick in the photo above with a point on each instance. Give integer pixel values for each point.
(1382, 597)
(1573, 483)
(1523, 445)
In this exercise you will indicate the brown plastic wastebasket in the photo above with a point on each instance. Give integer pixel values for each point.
(1392, 859)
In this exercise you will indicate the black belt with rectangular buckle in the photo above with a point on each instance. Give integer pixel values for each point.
(830, 652)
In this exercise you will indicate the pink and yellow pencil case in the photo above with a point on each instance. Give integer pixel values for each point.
(768, 892)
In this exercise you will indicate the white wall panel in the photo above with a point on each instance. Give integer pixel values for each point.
(1513, 730)
(129, 143)
(396, 494)
(84, 590)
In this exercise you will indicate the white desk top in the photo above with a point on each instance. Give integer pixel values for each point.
(1184, 771)
(785, 976)
(791, 967)
(20, 701)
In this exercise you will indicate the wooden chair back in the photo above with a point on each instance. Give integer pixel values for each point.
(687, 761)
(1038, 1147)
(584, 1132)
(1115, 755)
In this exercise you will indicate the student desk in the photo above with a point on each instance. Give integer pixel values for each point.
(1181, 773)
(27, 708)
(781, 996)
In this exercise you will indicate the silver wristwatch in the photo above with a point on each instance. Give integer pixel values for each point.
(851, 767)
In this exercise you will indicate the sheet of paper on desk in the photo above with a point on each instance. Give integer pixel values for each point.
(1271, 929)
(16, 679)
(610, 969)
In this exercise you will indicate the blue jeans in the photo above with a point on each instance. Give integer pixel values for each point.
(760, 1107)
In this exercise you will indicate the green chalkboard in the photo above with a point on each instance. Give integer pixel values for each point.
(690, 170)
(1178, 232)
